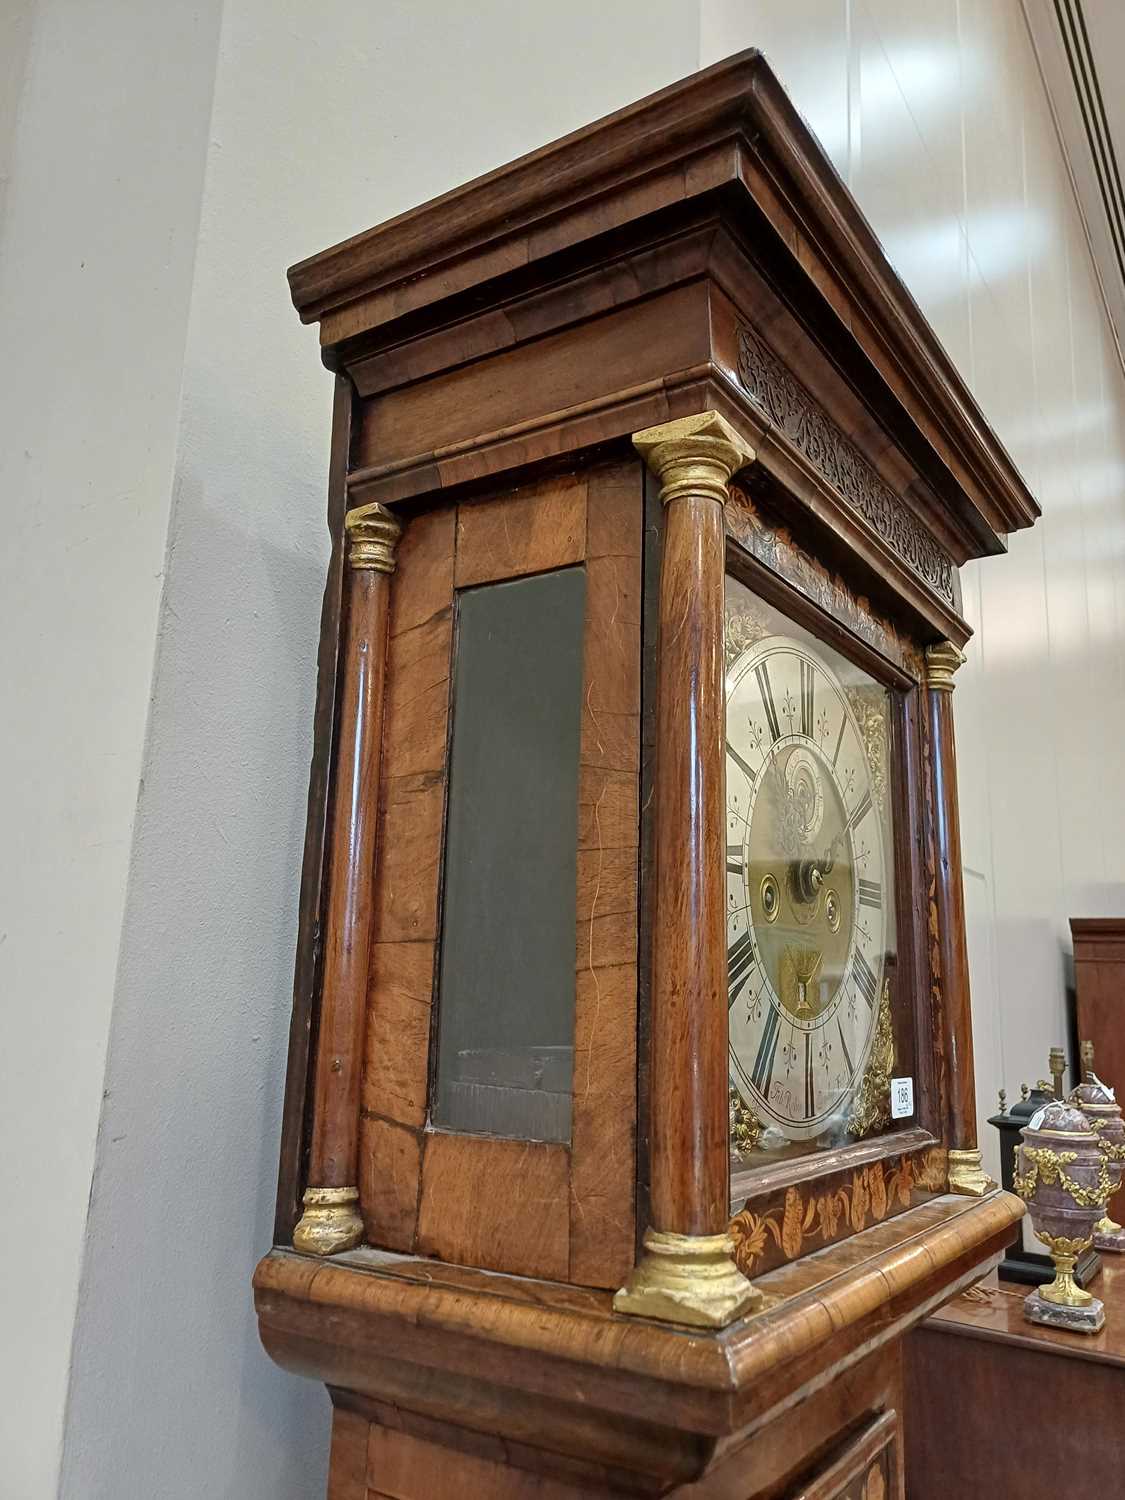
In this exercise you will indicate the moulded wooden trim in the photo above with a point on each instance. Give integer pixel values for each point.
(729, 126)
(1099, 951)
(753, 1182)
(1098, 939)
(699, 387)
(1112, 928)
(474, 220)
(387, 1326)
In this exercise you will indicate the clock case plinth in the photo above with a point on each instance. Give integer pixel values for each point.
(496, 352)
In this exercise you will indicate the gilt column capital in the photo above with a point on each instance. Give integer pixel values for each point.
(694, 455)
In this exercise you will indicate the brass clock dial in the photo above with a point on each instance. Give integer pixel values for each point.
(807, 898)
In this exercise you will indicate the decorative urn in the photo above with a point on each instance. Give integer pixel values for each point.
(1097, 1102)
(1020, 1263)
(1063, 1176)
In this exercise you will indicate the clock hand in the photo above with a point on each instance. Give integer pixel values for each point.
(811, 872)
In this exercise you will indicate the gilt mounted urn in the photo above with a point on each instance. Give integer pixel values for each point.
(1097, 1102)
(1063, 1177)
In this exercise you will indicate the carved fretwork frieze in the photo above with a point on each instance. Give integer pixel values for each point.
(798, 416)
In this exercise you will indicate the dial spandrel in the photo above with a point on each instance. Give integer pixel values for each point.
(810, 925)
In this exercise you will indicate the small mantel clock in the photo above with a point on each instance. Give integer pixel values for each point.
(629, 1121)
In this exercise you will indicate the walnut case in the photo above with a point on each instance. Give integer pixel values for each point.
(499, 1312)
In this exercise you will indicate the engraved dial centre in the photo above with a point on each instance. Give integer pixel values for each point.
(806, 912)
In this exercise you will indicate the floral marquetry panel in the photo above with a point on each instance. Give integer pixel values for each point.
(868, 1468)
(750, 521)
(792, 1221)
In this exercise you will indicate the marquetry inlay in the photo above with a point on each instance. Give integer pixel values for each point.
(813, 433)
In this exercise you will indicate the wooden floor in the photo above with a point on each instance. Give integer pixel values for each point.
(1000, 1407)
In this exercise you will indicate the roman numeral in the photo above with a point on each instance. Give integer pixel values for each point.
(861, 810)
(844, 1045)
(762, 672)
(740, 961)
(870, 893)
(809, 1106)
(762, 1071)
(739, 762)
(736, 860)
(864, 978)
(808, 677)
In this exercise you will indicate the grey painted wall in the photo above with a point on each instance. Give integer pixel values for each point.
(103, 120)
(326, 119)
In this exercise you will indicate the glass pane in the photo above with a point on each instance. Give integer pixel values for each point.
(506, 999)
(811, 939)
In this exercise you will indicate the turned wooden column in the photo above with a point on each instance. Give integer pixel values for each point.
(686, 1273)
(331, 1220)
(966, 1175)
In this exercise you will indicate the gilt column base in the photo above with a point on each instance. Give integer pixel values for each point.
(967, 1175)
(330, 1222)
(688, 1279)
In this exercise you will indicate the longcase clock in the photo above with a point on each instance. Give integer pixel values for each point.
(629, 1121)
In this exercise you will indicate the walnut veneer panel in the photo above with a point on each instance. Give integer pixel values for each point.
(603, 1119)
(522, 531)
(495, 1203)
(553, 1212)
(347, 1469)
(577, 365)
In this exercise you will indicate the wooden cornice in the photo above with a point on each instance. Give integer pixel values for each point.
(527, 205)
(729, 136)
(1112, 929)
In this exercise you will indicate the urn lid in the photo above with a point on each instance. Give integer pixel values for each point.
(1059, 1117)
(1093, 1092)
(1023, 1109)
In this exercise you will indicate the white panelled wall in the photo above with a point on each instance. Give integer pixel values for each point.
(935, 114)
(119, 435)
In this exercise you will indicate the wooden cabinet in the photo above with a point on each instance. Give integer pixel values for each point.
(632, 875)
(1099, 983)
(979, 1368)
